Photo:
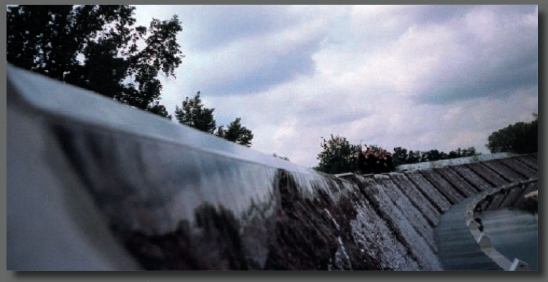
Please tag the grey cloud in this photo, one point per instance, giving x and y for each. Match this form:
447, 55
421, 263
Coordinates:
215, 26
438, 13
501, 82
272, 69
322, 114
496, 68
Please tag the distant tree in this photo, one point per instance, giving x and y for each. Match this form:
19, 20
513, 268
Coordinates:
236, 133
444, 156
194, 114
413, 157
453, 155
338, 156
158, 109
432, 155
468, 152
402, 157
519, 138
96, 47
399, 156
281, 157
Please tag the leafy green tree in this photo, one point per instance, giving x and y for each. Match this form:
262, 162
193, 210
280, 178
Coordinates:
194, 114
338, 156
413, 157
236, 133
400, 156
432, 155
97, 47
468, 152
519, 138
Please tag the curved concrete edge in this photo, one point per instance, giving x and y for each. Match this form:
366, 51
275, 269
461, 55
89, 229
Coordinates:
483, 240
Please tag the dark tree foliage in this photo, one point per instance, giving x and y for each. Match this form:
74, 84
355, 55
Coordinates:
194, 114
96, 47
236, 133
519, 138
401, 156
281, 157
375, 159
338, 156
413, 157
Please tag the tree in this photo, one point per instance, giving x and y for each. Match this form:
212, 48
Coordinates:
413, 157
194, 114
400, 156
519, 138
432, 155
97, 48
338, 156
281, 157
236, 133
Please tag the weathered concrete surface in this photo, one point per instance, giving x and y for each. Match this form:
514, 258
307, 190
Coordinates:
459, 183
471, 177
442, 185
128, 190
428, 191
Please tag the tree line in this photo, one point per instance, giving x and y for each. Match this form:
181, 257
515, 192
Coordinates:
100, 48
338, 155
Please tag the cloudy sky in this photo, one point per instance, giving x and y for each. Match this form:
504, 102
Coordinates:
419, 77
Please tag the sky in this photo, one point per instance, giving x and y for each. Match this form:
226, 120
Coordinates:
418, 77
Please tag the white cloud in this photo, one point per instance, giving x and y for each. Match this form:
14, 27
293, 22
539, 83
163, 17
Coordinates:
420, 77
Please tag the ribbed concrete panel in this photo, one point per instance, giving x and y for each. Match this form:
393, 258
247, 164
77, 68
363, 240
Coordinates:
413, 215
458, 182
374, 237
429, 191
519, 167
471, 177
414, 242
487, 174
504, 171
529, 160
443, 186
411, 191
